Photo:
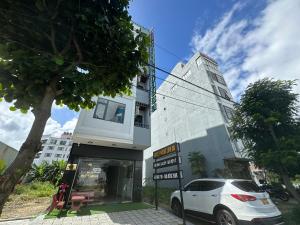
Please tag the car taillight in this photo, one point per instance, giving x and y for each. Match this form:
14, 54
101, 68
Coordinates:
244, 198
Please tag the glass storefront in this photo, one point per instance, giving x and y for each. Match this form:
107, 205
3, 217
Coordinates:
110, 179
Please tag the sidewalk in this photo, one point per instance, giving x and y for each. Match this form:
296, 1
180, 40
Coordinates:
134, 217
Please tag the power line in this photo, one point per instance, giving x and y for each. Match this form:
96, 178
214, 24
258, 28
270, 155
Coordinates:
184, 87
202, 106
192, 103
168, 51
164, 71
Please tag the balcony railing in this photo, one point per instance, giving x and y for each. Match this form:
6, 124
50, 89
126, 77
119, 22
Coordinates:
142, 125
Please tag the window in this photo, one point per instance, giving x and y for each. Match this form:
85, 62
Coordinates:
229, 112
44, 141
222, 111
53, 142
221, 79
63, 142
50, 147
199, 62
212, 76
224, 93
109, 111
58, 155
194, 186
210, 185
186, 75
48, 154
248, 186
140, 118
216, 77
215, 90
60, 148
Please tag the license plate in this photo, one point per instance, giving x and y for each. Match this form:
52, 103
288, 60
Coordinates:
264, 201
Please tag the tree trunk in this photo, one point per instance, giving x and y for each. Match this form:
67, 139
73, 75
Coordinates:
29, 148
289, 186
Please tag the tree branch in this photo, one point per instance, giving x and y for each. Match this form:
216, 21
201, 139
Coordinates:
79, 53
52, 40
68, 45
56, 9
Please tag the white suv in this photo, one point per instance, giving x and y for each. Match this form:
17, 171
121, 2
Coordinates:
228, 202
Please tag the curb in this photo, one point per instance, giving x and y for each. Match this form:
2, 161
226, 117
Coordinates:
19, 218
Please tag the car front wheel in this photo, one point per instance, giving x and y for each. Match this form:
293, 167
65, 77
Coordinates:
176, 207
224, 217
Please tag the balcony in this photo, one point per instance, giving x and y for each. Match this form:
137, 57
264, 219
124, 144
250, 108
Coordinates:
142, 125
141, 112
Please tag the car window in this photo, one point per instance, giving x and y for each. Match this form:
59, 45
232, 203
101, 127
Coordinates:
248, 186
194, 186
210, 185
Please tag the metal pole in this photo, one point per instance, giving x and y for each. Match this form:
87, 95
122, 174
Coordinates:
180, 185
156, 197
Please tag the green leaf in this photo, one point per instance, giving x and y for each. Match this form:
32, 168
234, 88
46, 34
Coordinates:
12, 108
24, 111
59, 60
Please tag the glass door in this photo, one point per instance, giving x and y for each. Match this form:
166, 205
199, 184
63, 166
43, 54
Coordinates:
111, 180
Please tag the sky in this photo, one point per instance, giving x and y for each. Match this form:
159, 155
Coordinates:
250, 40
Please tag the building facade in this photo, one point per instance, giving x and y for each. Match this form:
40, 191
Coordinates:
107, 154
54, 149
196, 119
7, 155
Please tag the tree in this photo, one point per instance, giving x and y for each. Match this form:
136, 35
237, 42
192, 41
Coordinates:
198, 164
52, 172
2, 166
67, 52
267, 120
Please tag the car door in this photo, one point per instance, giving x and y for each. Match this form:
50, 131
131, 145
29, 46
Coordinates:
209, 196
189, 194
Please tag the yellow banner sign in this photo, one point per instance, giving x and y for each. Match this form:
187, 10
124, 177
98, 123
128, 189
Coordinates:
165, 151
71, 167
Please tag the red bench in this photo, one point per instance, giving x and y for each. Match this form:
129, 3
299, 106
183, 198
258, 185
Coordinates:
81, 197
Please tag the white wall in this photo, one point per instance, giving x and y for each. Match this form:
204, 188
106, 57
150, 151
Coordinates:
199, 127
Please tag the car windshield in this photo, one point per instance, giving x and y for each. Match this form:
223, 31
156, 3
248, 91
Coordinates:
248, 186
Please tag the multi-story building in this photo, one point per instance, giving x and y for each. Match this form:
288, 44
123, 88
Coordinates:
197, 119
54, 148
107, 154
7, 155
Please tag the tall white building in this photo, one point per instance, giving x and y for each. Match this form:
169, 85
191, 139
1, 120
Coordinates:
54, 148
109, 141
195, 118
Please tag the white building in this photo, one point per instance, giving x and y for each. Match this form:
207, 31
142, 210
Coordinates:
195, 118
54, 148
109, 141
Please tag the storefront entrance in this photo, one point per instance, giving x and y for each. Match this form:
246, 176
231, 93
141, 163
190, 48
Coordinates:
111, 180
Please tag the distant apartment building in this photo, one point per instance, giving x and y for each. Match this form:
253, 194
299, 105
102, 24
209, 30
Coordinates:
196, 119
7, 154
107, 153
54, 148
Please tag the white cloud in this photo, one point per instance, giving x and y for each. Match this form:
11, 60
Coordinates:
55, 129
247, 50
15, 126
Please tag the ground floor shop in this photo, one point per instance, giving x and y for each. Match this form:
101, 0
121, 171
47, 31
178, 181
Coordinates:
108, 174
